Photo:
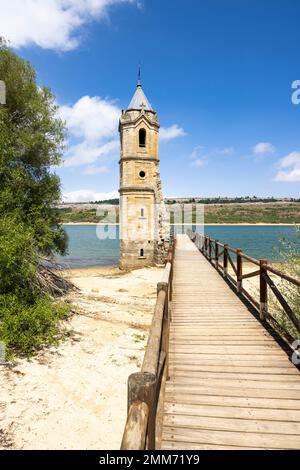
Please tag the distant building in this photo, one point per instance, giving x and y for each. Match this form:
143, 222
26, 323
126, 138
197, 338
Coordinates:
143, 228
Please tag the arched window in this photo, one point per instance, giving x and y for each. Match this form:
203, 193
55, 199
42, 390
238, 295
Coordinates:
142, 212
142, 138
141, 252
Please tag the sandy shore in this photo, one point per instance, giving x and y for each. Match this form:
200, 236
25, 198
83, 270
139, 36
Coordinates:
74, 396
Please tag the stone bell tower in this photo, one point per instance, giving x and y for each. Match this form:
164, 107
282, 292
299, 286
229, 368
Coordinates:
143, 239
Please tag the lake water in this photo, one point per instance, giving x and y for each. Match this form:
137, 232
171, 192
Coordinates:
87, 250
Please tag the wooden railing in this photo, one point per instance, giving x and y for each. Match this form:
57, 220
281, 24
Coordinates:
222, 256
144, 386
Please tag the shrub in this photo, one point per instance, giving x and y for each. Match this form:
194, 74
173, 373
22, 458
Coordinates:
290, 253
27, 326
18, 259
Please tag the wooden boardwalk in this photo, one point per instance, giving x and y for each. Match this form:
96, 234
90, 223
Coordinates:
231, 385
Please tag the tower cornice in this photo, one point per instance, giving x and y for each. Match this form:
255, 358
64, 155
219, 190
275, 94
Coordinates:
139, 158
136, 189
128, 118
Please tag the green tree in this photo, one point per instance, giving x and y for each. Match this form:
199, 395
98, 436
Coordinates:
31, 142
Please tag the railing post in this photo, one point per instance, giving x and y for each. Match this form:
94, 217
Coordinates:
202, 242
225, 260
209, 249
263, 289
217, 253
197, 243
141, 387
239, 268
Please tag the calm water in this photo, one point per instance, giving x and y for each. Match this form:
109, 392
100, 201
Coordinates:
87, 250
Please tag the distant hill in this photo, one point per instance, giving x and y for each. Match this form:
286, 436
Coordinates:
216, 211
186, 200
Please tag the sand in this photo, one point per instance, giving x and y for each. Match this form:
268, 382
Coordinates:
74, 396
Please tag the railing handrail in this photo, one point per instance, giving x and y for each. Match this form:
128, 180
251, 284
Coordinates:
144, 386
134, 436
151, 357
287, 277
212, 253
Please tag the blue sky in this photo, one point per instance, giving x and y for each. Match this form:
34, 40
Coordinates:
218, 72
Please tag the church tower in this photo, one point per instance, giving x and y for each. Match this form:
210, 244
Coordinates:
142, 241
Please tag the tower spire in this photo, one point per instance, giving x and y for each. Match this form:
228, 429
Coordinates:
139, 100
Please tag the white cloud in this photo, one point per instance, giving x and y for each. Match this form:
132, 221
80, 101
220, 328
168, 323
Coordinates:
89, 152
200, 156
226, 151
93, 123
199, 162
289, 168
197, 151
199, 159
264, 148
50, 24
95, 170
168, 133
92, 118
88, 195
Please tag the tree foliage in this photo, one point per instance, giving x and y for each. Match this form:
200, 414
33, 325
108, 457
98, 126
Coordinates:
31, 143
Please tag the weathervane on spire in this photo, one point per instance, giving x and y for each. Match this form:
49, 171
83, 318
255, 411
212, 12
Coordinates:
139, 75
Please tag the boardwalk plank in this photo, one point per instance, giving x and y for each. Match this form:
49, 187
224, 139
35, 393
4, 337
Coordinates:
231, 385
220, 437
232, 412
266, 426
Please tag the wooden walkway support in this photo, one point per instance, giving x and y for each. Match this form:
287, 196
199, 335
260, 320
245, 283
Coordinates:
231, 385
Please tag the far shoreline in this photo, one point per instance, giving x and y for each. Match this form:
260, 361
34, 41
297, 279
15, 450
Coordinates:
259, 224
114, 269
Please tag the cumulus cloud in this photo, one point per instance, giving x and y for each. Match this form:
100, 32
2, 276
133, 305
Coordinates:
172, 132
199, 162
201, 155
88, 195
51, 24
92, 118
264, 148
92, 123
196, 152
226, 151
289, 168
89, 152
198, 157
